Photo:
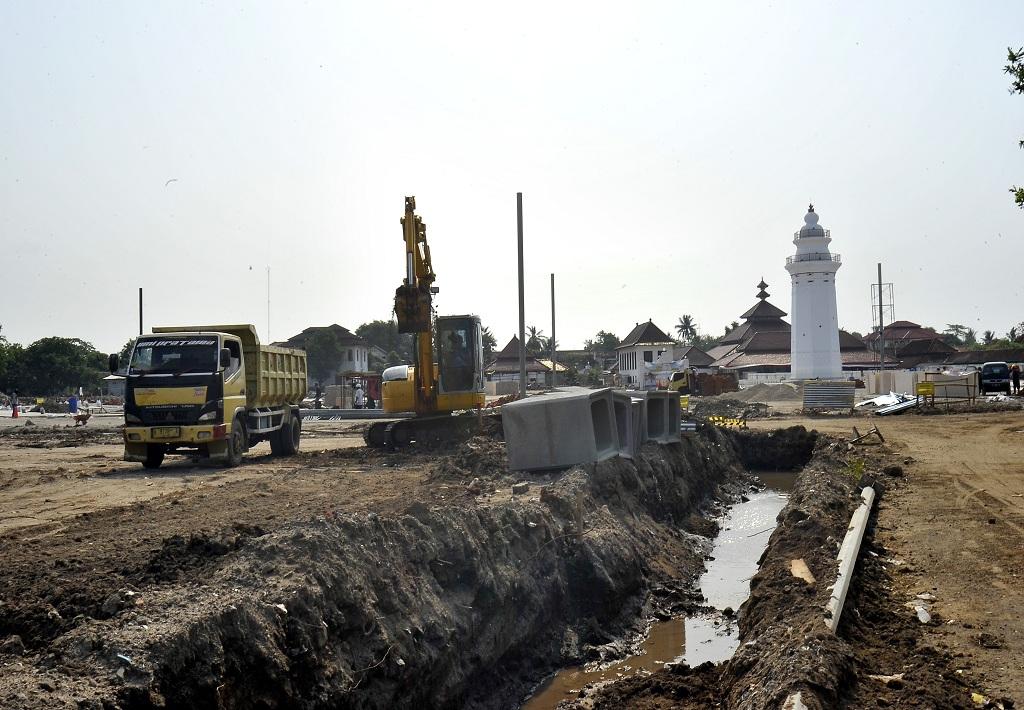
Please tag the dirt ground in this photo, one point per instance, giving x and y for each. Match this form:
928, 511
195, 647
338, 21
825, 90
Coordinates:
97, 551
51, 471
958, 524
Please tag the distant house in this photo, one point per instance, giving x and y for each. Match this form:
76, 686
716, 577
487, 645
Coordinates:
646, 343
906, 339
694, 355
113, 385
919, 354
355, 352
505, 367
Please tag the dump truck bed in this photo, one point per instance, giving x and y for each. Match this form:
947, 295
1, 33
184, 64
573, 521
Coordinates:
274, 376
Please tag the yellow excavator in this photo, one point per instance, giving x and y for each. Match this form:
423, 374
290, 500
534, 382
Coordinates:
433, 390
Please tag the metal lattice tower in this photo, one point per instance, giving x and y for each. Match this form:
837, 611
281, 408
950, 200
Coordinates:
883, 298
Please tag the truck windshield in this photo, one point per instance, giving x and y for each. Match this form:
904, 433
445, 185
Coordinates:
174, 356
996, 370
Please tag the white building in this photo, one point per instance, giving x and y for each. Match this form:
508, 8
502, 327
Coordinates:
814, 344
353, 351
645, 345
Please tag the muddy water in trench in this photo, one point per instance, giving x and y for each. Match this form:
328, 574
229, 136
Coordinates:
744, 534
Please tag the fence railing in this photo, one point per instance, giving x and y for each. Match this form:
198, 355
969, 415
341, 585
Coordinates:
814, 256
821, 232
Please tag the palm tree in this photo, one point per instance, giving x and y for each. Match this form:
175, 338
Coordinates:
732, 326
1011, 334
988, 336
687, 328
970, 336
534, 340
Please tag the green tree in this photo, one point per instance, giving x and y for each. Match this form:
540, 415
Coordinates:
58, 365
705, 342
1015, 68
125, 353
604, 342
489, 343
988, 337
959, 335
732, 326
11, 361
384, 334
687, 329
324, 353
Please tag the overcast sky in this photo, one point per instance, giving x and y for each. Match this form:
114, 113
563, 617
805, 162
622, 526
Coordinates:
666, 152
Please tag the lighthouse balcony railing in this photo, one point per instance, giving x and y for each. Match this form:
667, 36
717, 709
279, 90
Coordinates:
816, 232
815, 256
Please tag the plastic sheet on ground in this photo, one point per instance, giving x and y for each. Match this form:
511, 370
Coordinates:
885, 400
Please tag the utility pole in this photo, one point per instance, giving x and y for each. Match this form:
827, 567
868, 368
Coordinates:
268, 304
554, 345
522, 300
140, 310
881, 326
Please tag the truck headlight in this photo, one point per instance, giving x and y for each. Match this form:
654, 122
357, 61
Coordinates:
208, 416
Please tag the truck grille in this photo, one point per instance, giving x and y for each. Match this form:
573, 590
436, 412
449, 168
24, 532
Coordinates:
152, 416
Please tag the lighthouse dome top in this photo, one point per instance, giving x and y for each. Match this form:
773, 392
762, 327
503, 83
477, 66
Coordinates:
811, 227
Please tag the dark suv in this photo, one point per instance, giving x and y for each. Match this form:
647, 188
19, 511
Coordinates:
994, 377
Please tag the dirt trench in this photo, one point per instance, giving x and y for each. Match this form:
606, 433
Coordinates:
463, 604
877, 658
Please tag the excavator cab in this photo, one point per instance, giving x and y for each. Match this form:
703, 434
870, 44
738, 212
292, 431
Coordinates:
460, 354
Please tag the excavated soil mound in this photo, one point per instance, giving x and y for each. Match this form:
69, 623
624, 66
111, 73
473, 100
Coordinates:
722, 406
477, 457
982, 406
763, 392
54, 437
446, 601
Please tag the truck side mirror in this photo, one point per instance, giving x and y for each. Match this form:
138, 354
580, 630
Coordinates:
113, 362
225, 357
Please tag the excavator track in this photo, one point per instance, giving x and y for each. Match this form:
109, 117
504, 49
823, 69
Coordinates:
392, 435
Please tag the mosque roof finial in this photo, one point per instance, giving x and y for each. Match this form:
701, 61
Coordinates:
763, 294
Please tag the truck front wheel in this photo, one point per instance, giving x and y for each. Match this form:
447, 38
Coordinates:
154, 456
236, 444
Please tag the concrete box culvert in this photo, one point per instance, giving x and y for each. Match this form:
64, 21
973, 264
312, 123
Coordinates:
662, 415
629, 423
560, 429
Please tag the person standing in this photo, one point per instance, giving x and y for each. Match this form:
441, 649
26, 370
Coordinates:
360, 397
14, 404
1015, 377
73, 404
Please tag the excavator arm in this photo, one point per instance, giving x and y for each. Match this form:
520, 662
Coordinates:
413, 301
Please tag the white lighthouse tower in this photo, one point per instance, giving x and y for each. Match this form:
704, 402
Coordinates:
815, 333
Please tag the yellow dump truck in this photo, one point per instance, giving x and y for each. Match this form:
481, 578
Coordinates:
212, 392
